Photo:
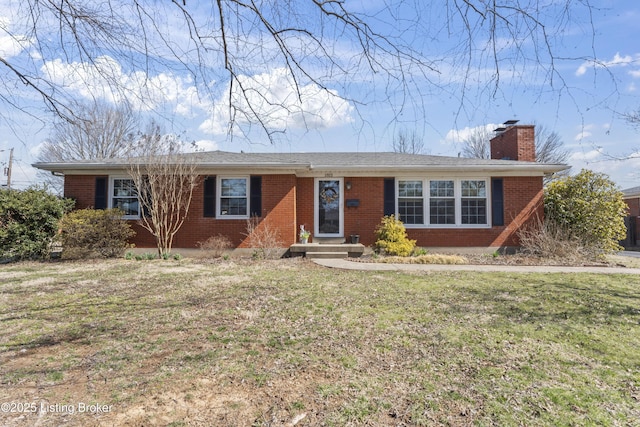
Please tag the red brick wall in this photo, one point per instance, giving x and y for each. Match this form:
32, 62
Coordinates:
522, 205
305, 204
516, 143
81, 188
361, 220
278, 211
278, 208
287, 203
364, 219
634, 206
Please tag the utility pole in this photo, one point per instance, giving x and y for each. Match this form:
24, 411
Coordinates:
7, 170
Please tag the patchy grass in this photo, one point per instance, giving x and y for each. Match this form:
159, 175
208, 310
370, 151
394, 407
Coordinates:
270, 343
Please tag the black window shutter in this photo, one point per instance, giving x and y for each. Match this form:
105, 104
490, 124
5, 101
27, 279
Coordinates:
210, 197
389, 196
497, 201
100, 201
149, 195
255, 202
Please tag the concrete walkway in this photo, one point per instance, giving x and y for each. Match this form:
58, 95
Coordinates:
371, 266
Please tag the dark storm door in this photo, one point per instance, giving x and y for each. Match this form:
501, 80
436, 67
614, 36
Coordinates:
329, 207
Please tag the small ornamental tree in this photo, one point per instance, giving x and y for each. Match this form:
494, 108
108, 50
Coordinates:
589, 206
391, 237
29, 222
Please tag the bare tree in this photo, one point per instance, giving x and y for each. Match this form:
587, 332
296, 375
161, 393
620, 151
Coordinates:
476, 145
329, 44
550, 147
102, 131
165, 179
407, 142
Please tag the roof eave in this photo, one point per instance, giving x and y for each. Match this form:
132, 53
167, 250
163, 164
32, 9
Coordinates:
511, 167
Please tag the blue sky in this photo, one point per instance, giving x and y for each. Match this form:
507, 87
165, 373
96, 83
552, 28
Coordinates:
595, 80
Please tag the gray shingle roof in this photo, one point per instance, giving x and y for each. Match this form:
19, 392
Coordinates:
320, 161
633, 191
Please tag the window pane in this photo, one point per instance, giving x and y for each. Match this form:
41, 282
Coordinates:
124, 188
474, 211
442, 211
127, 205
411, 211
232, 206
410, 189
474, 189
236, 187
125, 197
441, 189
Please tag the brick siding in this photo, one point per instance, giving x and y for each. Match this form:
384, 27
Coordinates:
81, 188
287, 203
515, 143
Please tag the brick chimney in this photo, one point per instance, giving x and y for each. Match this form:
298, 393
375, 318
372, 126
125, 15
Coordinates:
515, 143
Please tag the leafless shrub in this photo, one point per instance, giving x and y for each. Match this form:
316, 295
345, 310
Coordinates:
263, 238
215, 246
547, 239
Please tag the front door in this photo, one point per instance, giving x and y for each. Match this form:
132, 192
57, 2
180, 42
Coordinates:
329, 207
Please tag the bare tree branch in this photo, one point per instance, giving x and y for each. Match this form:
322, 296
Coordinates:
320, 42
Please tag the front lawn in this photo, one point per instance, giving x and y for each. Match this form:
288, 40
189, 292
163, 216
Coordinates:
238, 343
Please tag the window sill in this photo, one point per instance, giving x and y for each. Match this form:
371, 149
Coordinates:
448, 226
231, 217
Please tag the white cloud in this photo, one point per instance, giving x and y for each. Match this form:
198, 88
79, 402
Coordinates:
206, 145
274, 99
11, 44
617, 61
106, 79
586, 157
456, 136
585, 132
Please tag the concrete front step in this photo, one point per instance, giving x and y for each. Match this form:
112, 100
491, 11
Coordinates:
329, 240
327, 251
327, 255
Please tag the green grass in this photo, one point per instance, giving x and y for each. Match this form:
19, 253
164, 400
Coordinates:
261, 343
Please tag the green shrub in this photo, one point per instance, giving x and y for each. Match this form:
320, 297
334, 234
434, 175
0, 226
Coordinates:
147, 256
29, 222
590, 207
391, 237
88, 232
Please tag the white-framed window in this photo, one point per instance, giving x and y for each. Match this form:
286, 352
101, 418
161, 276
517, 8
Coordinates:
233, 197
442, 202
473, 202
411, 201
124, 196
446, 202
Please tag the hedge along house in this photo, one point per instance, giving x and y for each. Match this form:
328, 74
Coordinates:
443, 201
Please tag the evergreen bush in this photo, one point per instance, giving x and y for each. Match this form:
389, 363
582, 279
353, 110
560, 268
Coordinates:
29, 222
392, 239
89, 232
